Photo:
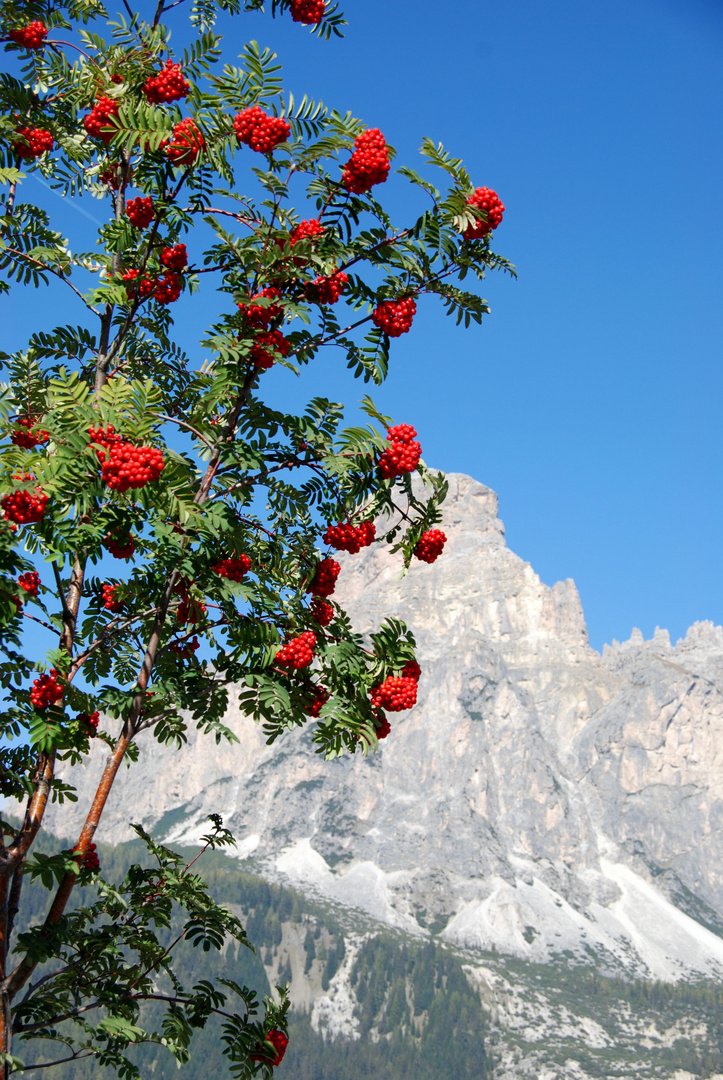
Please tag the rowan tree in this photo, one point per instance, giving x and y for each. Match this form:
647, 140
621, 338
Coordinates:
167, 531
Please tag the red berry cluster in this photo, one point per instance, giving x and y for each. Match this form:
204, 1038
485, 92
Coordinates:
259, 131
121, 547
279, 1041
395, 694
308, 12
189, 610
351, 538
321, 696
394, 317
403, 455
369, 163
140, 212
323, 582
327, 290
90, 859
167, 289
30, 582
31, 36
26, 437
90, 722
185, 649
299, 652
104, 436
234, 569
144, 287
109, 599
306, 230
260, 315
130, 466
37, 142
322, 612
186, 144
46, 690
267, 346
112, 175
175, 258
382, 727
430, 546
411, 670
168, 85
99, 118
24, 507
489, 202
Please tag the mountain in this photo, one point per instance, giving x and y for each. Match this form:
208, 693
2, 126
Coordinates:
542, 802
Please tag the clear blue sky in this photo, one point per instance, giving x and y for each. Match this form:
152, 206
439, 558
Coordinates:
590, 399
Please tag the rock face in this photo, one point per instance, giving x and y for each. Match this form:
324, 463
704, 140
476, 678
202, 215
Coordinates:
540, 798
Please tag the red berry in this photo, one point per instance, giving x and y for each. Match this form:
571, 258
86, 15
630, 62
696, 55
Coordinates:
109, 600
90, 860
175, 258
46, 690
30, 582
36, 143
369, 163
327, 290
190, 611
89, 721
130, 466
145, 286
403, 455
234, 569
489, 202
395, 694
24, 507
351, 538
267, 347
430, 546
121, 547
186, 144
322, 612
259, 131
308, 12
394, 317
411, 670
168, 288
279, 1041
97, 122
31, 36
260, 315
382, 727
112, 176
401, 433
185, 649
104, 436
25, 437
298, 652
321, 696
323, 582
306, 230
168, 85
140, 212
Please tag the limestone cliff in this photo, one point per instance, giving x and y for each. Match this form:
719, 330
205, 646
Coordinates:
539, 798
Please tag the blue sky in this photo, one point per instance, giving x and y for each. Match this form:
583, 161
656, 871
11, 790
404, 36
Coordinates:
590, 399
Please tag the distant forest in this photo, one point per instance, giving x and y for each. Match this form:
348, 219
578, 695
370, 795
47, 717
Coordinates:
418, 1017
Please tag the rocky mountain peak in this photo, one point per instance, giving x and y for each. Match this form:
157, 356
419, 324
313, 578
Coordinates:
539, 799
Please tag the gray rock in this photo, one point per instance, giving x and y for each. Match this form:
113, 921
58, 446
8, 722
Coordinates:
540, 797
